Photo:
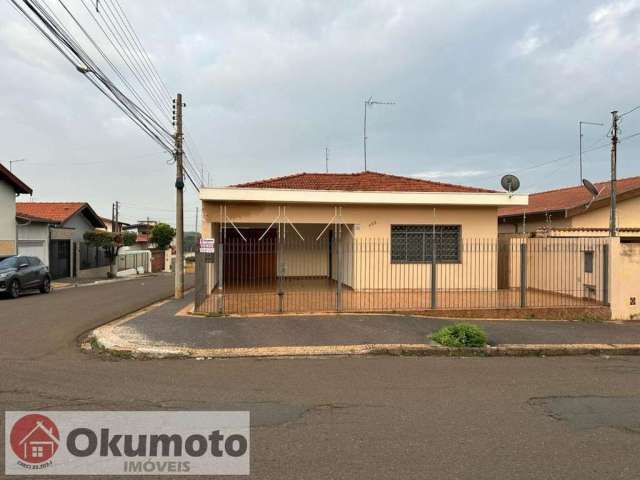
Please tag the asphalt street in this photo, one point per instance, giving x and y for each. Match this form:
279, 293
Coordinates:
362, 417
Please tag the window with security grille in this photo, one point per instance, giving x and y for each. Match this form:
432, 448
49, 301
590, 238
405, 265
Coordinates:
415, 243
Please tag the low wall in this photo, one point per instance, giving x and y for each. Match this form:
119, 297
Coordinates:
625, 280
99, 272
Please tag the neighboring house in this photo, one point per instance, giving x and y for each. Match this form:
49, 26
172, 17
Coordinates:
10, 187
53, 231
572, 210
143, 233
109, 224
362, 230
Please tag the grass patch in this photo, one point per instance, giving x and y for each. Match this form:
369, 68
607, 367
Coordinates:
460, 335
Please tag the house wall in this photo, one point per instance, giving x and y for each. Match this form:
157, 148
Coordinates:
34, 237
627, 212
80, 225
7, 219
370, 267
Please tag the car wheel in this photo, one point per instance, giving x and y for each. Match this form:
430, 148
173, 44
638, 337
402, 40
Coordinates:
46, 285
14, 289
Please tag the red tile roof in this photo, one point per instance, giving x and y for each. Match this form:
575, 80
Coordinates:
18, 185
56, 212
358, 182
568, 198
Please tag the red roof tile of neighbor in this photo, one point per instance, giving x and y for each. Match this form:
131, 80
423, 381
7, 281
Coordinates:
18, 185
568, 198
57, 212
358, 182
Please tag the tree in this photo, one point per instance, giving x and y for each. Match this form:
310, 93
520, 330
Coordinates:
162, 234
129, 238
110, 242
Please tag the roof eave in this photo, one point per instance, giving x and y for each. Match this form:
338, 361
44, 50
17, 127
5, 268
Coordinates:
281, 195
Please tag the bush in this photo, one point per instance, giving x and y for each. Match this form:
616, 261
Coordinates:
461, 335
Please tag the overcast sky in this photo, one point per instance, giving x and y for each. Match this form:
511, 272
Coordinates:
482, 88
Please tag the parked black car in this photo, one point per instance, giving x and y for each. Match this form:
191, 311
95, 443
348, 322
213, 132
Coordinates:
20, 273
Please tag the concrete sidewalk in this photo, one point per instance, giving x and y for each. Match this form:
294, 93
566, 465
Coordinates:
163, 327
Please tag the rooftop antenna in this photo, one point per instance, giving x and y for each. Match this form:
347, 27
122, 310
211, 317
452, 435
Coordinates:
326, 159
370, 103
580, 123
11, 162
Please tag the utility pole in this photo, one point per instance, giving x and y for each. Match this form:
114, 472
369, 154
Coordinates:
116, 226
369, 103
613, 229
113, 217
580, 123
179, 272
197, 229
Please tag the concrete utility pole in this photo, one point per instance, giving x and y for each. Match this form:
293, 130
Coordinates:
197, 228
369, 103
613, 228
116, 226
580, 123
179, 278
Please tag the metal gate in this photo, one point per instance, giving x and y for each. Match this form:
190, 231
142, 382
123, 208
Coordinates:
59, 258
414, 270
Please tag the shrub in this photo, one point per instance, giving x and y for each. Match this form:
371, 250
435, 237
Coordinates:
461, 335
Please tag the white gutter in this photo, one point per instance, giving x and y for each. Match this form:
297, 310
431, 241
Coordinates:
281, 195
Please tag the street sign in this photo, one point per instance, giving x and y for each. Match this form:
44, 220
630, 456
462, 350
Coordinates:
207, 245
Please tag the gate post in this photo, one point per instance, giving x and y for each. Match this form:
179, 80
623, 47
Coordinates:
280, 273
523, 275
605, 274
220, 295
200, 293
338, 234
434, 275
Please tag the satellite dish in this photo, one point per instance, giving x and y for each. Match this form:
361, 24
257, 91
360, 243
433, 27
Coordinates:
590, 187
510, 183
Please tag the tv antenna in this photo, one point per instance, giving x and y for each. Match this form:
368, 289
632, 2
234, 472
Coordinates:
580, 123
370, 102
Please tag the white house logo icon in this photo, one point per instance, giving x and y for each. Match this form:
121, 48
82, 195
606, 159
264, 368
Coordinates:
34, 438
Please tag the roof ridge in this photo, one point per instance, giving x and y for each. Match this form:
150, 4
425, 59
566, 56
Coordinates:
433, 182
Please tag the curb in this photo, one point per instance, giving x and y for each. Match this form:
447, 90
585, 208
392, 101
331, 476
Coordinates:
95, 343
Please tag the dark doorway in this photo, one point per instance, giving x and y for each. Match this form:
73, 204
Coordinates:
251, 261
59, 258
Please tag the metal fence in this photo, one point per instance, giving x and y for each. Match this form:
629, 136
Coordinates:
134, 259
414, 274
92, 256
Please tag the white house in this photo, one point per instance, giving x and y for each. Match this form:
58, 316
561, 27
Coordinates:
10, 187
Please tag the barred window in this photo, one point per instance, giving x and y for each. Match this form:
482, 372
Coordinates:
588, 261
414, 243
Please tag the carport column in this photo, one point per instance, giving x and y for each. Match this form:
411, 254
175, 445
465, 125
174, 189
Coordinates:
280, 266
338, 236
523, 275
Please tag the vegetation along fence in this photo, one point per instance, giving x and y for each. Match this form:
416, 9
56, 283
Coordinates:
92, 256
411, 271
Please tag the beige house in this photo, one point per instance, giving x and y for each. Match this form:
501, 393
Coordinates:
572, 211
10, 187
362, 231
